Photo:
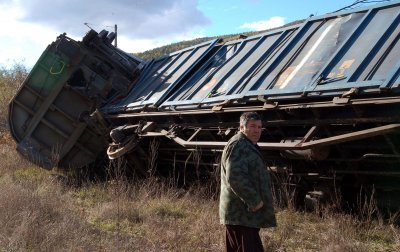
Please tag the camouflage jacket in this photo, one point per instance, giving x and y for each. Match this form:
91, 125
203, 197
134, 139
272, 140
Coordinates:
244, 183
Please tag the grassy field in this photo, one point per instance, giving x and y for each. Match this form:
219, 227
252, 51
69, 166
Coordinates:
42, 211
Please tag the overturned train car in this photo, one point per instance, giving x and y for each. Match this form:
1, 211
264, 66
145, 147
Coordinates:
327, 89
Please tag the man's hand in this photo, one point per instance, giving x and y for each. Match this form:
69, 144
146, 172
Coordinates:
258, 207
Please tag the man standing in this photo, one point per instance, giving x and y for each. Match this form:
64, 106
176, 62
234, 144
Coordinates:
246, 199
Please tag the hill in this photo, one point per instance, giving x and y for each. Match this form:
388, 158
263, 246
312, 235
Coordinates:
163, 50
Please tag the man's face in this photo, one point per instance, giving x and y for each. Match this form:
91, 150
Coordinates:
252, 130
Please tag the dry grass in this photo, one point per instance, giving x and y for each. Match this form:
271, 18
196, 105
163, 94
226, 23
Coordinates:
38, 213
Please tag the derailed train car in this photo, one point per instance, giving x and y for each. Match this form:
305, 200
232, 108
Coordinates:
327, 89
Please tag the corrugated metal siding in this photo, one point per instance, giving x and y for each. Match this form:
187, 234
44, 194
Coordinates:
324, 56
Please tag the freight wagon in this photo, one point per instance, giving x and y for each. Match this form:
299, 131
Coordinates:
327, 89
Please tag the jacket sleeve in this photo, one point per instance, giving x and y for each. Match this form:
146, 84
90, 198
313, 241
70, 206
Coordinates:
238, 177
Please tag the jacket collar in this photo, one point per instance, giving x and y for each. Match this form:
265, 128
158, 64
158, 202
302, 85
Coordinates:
255, 146
243, 136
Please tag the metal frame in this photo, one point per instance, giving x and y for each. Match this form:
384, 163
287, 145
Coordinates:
303, 145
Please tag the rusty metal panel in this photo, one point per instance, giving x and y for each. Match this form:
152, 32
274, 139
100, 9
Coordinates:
224, 74
337, 53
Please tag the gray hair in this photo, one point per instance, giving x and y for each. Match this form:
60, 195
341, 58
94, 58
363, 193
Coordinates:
247, 116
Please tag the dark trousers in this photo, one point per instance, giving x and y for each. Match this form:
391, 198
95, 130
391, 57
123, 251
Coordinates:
243, 239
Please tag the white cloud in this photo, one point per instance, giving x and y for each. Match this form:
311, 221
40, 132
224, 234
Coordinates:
272, 22
139, 19
21, 42
27, 27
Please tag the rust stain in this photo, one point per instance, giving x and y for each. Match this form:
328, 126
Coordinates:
209, 85
284, 75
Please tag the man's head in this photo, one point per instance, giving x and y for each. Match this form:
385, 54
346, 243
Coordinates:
251, 126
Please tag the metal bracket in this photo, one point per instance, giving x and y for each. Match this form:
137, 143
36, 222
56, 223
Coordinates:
220, 107
338, 100
270, 105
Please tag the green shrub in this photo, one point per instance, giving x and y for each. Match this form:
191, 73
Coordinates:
10, 81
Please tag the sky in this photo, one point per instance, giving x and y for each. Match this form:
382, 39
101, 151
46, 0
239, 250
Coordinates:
27, 27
